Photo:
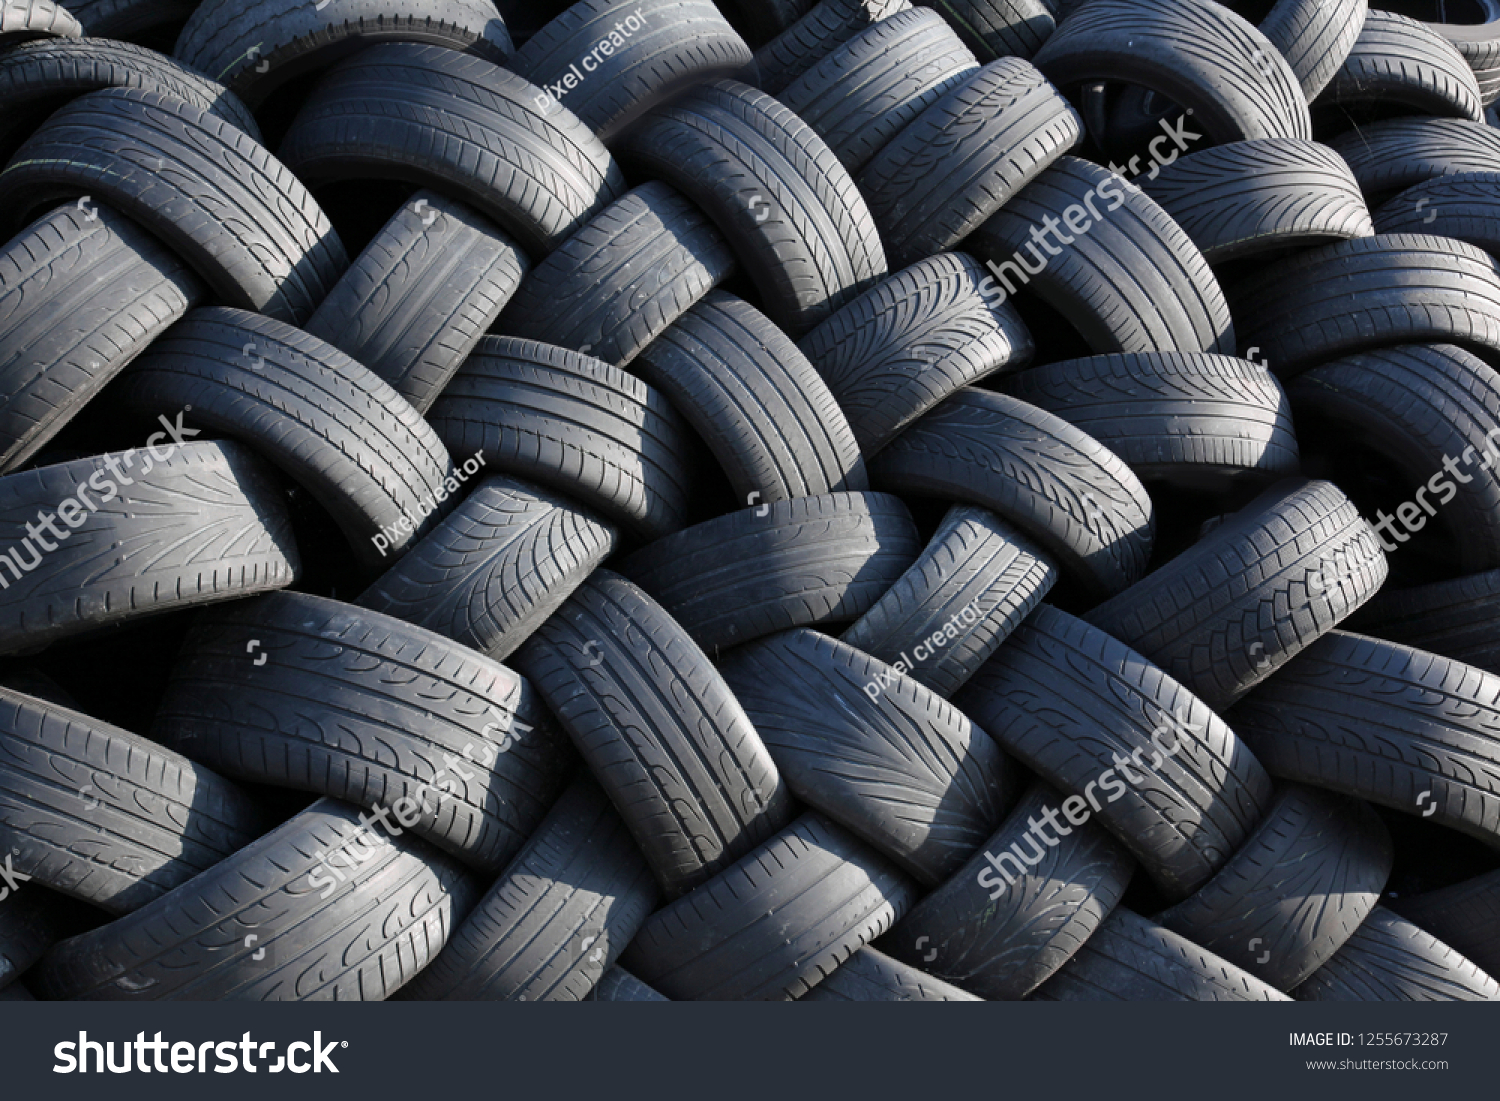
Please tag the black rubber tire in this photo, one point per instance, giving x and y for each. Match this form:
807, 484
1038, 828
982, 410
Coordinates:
415, 303
1417, 406
807, 562
1401, 65
207, 524
38, 77
797, 223
660, 730
129, 19
1315, 36
558, 917
765, 412
1465, 206
1132, 959
1373, 292
1295, 892
496, 568
1253, 197
1465, 916
777, 923
1072, 703
826, 26
256, 46
877, 753
871, 976
685, 43
32, 919
211, 192
1065, 490
1000, 28
1391, 960
965, 157
361, 707
343, 434
619, 985
964, 933
1390, 157
1380, 721
761, 20
1251, 594
22, 20
620, 281
975, 563
1192, 420
1478, 41
157, 820
83, 291
1135, 282
1459, 619
256, 927
1203, 57
862, 94
574, 425
913, 340
462, 126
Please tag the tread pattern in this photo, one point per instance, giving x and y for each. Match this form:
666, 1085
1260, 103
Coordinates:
1463, 915
1459, 619
1391, 960
1390, 156
825, 27
1465, 206
871, 976
1400, 61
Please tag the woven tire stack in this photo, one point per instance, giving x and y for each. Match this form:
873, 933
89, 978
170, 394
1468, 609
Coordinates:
756, 500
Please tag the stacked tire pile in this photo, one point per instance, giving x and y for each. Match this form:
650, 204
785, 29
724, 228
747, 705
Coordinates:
841, 500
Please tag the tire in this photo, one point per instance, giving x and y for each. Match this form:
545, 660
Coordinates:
796, 222
1295, 892
226, 206
1255, 197
1463, 915
862, 94
574, 425
1459, 619
1465, 206
557, 918
256, 47
1383, 722
23, 20
492, 572
1035, 471
463, 127
1067, 700
31, 921
1370, 293
1315, 36
619, 985
1478, 42
686, 42
976, 564
1401, 65
764, 411
362, 707
1000, 28
156, 821
1416, 406
1391, 960
965, 157
129, 19
1254, 592
761, 20
415, 303
1132, 959
623, 279
873, 751
1195, 421
204, 525
38, 77
826, 26
808, 562
1135, 282
1004, 952
913, 340
660, 730
1202, 57
1389, 157
84, 292
332, 426
256, 927
773, 926
871, 976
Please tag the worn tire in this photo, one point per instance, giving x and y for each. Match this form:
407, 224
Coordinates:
1400, 64
1391, 960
